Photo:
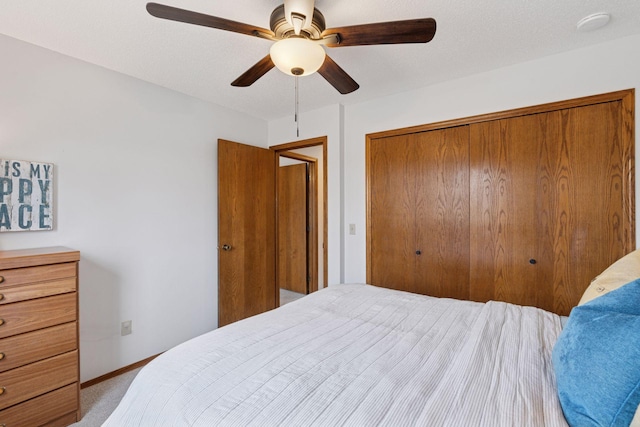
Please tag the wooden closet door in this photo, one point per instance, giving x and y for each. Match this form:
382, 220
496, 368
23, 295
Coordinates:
507, 252
419, 212
392, 182
441, 163
590, 231
547, 202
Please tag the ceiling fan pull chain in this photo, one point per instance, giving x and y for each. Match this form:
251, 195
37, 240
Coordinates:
297, 110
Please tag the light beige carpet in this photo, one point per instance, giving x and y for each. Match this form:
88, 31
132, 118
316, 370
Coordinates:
99, 401
288, 296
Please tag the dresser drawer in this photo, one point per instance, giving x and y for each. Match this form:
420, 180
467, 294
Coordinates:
27, 348
37, 290
35, 314
19, 276
26, 382
42, 409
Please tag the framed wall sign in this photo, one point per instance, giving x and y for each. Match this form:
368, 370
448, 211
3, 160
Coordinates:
26, 195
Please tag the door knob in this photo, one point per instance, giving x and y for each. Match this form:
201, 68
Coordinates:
226, 247
532, 261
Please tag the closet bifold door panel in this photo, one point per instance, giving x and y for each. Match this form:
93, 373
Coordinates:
548, 202
525, 206
419, 212
513, 174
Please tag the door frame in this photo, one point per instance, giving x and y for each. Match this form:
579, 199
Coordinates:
312, 217
312, 142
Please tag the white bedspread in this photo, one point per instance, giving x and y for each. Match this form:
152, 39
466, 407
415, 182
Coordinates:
358, 355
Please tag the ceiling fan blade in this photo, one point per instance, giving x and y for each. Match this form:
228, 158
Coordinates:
337, 77
181, 15
394, 32
250, 76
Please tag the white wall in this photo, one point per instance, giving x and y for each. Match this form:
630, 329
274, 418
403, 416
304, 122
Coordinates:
135, 192
322, 122
598, 69
136, 176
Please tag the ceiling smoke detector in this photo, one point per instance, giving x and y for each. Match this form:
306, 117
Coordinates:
593, 22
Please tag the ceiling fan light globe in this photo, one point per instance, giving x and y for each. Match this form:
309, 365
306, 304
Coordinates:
294, 54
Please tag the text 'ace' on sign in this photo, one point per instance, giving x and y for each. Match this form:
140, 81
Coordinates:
26, 195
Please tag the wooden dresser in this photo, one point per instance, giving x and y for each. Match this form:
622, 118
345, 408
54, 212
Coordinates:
39, 355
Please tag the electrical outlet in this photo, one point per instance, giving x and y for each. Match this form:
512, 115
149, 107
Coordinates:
125, 328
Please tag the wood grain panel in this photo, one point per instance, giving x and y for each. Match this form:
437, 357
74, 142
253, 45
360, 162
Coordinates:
26, 348
442, 212
503, 163
35, 314
590, 232
37, 290
40, 410
548, 188
246, 219
392, 211
292, 228
419, 212
38, 378
552, 200
37, 256
19, 276
65, 420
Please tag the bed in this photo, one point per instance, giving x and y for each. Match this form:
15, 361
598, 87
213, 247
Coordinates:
360, 355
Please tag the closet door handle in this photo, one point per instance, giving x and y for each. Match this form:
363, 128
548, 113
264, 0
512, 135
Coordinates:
226, 247
532, 261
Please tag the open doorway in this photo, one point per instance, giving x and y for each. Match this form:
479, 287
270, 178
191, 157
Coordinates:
297, 224
302, 218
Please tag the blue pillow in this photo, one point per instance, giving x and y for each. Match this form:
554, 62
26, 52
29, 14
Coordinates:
597, 360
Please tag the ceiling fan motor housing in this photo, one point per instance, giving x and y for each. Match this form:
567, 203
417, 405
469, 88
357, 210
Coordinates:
283, 29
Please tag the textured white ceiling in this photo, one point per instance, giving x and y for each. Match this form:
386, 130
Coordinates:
472, 36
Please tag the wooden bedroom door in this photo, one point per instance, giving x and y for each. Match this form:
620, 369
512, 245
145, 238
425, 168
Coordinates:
246, 231
293, 229
419, 212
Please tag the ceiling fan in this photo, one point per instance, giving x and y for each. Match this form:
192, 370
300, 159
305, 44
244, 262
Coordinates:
299, 30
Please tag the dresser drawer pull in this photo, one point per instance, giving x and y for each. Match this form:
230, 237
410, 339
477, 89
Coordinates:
1, 297
1, 322
1, 356
1, 279
2, 390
